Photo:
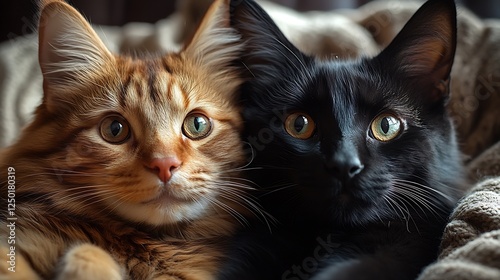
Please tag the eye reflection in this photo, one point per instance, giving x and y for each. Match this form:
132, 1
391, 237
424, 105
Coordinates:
385, 127
114, 129
300, 125
197, 126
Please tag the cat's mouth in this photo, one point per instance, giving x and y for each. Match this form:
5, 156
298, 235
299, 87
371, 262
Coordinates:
167, 197
347, 195
344, 198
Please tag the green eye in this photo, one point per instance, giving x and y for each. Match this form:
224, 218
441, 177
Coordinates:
114, 129
300, 125
196, 126
385, 127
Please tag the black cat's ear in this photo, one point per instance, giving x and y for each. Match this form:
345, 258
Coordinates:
425, 48
268, 53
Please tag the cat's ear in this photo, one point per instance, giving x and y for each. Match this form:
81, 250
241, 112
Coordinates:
268, 53
215, 46
425, 47
70, 52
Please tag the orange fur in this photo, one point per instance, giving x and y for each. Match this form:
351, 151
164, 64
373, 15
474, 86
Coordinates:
75, 188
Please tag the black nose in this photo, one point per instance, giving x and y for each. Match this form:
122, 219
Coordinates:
345, 163
345, 168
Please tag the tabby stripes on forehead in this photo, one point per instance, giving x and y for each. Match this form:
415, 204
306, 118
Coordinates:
124, 90
154, 78
151, 72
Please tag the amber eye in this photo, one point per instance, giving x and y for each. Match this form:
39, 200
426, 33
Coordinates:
114, 129
300, 125
386, 127
196, 126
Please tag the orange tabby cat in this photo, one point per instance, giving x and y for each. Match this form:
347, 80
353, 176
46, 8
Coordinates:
129, 169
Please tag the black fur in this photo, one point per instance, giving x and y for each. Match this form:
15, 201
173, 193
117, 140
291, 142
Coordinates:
379, 206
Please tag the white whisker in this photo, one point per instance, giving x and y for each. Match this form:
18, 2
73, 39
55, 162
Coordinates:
278, 188
238, 216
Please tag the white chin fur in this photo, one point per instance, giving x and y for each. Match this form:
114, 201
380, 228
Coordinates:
158, 215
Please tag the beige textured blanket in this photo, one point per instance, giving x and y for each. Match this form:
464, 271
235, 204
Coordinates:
471, 242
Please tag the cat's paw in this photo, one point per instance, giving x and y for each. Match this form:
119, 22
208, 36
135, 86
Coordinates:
88, 261
14, 267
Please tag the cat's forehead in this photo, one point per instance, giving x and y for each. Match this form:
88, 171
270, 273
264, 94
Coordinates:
146, 82
162, 84
343, 73
338, 82
349, 88
356, 81
321, 84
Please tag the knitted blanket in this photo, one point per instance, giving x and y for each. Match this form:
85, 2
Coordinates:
471, 242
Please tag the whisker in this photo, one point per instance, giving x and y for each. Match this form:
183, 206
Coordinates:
278, 188
233, 191
403, 209
421, 189
430, 189
234, 182
394, 204
238, 216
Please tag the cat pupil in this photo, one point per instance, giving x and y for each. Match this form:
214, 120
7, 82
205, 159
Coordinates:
300, 123
196, 126
199, 123
115, 128
385, 125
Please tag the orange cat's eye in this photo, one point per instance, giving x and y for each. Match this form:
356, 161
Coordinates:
114, 129
197, 126
300, 125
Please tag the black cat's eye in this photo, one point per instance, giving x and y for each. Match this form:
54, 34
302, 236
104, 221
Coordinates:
114, 129
386, 127
300, 125
196, 126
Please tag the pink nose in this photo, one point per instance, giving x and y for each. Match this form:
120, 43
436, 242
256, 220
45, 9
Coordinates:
165, 167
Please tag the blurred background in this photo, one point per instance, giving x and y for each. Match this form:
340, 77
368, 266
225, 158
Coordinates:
18, 17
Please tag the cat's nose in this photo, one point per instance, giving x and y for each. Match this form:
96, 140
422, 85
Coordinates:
345, 168
345, 163
352, 167
165, 167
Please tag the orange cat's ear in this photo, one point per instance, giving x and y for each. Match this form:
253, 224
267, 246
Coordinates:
70, 52
215, 45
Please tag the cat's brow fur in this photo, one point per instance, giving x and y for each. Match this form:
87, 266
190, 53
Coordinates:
72, 187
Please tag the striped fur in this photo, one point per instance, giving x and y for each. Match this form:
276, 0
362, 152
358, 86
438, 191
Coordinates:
85, 205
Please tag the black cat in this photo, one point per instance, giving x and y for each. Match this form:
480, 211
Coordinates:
356, 159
